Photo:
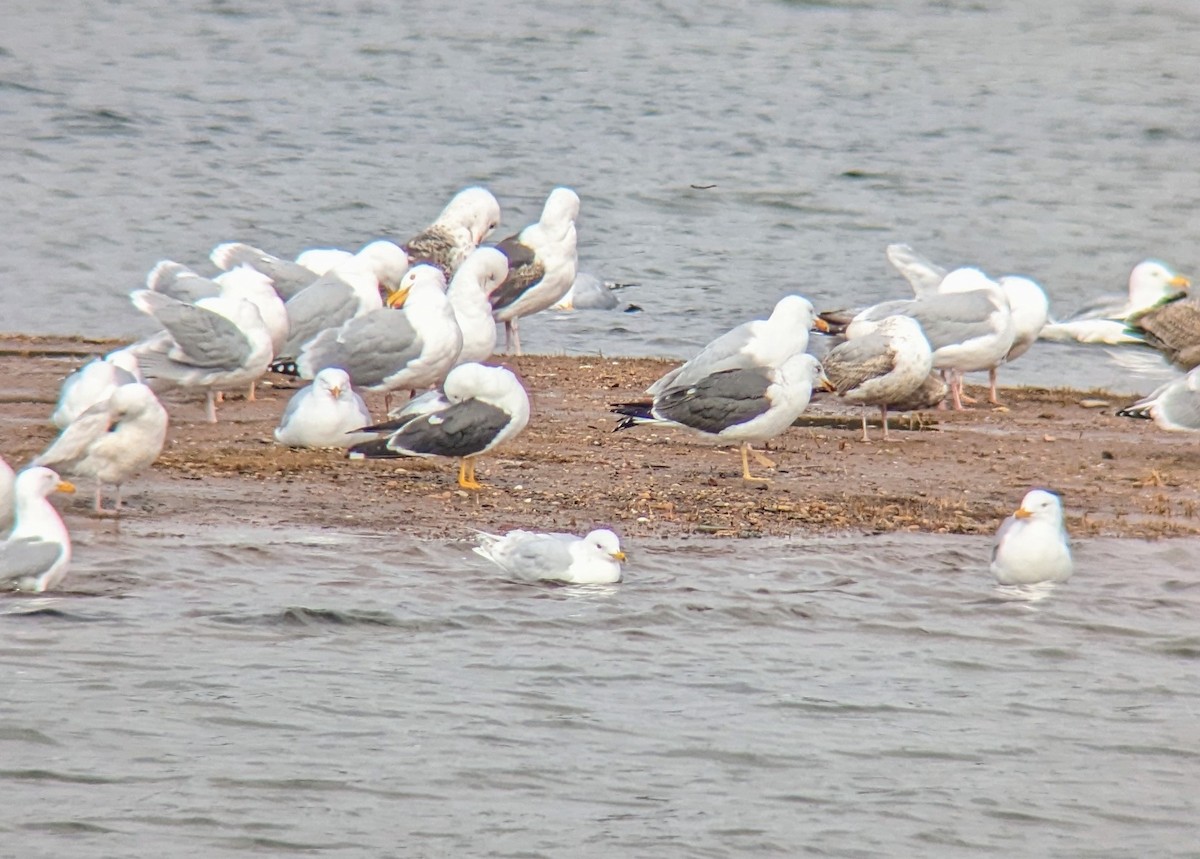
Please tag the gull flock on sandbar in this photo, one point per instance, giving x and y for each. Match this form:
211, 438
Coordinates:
417, 320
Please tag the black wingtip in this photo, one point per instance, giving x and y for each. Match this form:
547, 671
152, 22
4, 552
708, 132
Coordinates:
1133, 412
286, 367
374, 449
634, 413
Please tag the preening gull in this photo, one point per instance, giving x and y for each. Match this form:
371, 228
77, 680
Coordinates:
1175, 406
286, 276
36, 555
92, 383
736, 405
888, 365
112, 441
483, 271
411, 347
758, 343
1031, 546
466, 221
594, 559
1105, 321
324, 414
6, 494
1172, 328
542, 260
484, 407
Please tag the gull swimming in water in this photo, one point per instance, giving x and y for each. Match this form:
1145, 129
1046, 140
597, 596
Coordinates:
594, 559
1031, 545
1106, 321
1175, 406
481, 407
738, 406
112, 441
887, 365
324, 414
36, 555
542, 260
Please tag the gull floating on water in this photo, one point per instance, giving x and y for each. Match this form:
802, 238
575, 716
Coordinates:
589, 292
542, 260
36, 555
1106, 320
1174, 407
738, 405
112, 441
1031, 546
324, 414
594, 559
888, 365
481, 407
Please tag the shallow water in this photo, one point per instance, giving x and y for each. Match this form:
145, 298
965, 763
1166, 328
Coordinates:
248, 692
1054, 142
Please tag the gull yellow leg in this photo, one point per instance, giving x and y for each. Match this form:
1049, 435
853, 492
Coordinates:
466, 474
746, 475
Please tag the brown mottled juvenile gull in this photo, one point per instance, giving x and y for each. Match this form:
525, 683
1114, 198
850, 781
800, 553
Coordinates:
466, 221
1173, 329
887, 365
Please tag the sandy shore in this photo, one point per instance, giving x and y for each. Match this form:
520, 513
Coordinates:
961, 473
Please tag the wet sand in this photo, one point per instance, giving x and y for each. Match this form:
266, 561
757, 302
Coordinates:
960, 473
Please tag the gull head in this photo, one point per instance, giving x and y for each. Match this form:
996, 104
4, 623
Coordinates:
1041, 505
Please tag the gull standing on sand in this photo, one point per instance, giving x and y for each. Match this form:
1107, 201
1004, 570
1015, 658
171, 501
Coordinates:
410, 347
734, 406
1106, 321
324, 414
92, 383
542, 260
482, 272
214, 344
887, 365
594, 559
36, 555
466, 221
112, 441
1031, 545
1175, 406
483, 407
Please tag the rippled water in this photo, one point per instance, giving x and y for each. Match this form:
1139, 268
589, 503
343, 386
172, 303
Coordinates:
251, 692
246, 692
725, 152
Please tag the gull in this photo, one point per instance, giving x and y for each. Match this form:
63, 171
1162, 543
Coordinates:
393, 348
542, 260
888, 365
466, 221
759, 343
92, 383
1031, 545
734, 405
1105, 321
112, 441
324, 414
6, 494
1027, 301
594, 559
36, 555
589, 292
1172, 328
1174, 407
483, 408
215, 343
483, 271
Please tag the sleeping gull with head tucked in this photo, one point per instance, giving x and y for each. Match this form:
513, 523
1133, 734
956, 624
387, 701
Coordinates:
594, 559
112, 441
1031, 545
480, 407
36, 555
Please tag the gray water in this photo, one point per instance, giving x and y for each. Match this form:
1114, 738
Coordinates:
253, 693
726, 153
289, 693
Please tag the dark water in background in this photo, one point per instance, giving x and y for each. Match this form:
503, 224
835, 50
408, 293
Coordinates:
311, 694
1056, 140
